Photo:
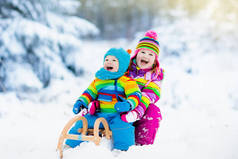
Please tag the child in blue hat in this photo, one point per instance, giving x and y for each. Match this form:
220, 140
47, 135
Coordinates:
116, 94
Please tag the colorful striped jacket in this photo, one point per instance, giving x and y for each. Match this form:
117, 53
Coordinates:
106, 92
149, 84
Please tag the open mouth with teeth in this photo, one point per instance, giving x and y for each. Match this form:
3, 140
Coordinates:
144, 62
109, 68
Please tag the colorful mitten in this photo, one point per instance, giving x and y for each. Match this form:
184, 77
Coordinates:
130, 117
93, 107
123, 106
78, 106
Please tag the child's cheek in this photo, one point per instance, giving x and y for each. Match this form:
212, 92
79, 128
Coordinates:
116, 67
137, 59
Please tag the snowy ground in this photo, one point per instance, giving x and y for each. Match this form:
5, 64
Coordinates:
200, 112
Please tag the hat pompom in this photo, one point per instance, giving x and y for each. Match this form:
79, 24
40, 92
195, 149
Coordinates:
151, 34
129, 51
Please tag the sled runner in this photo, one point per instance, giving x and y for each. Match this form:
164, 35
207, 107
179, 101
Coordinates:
94, 135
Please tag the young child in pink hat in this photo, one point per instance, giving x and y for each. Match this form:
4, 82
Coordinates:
145, 69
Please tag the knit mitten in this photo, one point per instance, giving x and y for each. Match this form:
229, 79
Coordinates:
130, 117
122, 106
78, 106
93, 107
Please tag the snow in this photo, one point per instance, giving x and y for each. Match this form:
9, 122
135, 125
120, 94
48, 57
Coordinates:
16, 72
50, 50
79, 28
70, 6
199, 103
204, 125
44, 37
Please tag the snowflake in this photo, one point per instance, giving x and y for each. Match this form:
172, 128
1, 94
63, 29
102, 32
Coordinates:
145, 130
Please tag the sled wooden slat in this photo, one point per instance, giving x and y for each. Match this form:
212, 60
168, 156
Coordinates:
108, 133
101, 131
66, 129
86, 134
83, 137
90, 131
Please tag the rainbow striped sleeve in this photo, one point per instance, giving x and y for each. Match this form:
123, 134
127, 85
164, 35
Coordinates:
89, 94
151, 93
132, 92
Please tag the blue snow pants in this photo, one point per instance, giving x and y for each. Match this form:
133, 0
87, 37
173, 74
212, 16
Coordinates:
123, 134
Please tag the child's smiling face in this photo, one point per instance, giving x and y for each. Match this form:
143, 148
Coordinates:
145, 59
111, 63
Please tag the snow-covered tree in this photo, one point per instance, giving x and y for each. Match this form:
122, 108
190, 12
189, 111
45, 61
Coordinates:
39, 41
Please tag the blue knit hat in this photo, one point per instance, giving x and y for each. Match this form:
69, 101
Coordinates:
122, 56
123, 59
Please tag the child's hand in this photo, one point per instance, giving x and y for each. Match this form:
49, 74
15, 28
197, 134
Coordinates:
123, 106
78, 106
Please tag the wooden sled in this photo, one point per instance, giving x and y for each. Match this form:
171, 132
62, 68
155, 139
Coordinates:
94, 135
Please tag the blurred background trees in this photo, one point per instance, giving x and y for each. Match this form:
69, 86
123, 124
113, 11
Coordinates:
119, 19
37, 39
123, 18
